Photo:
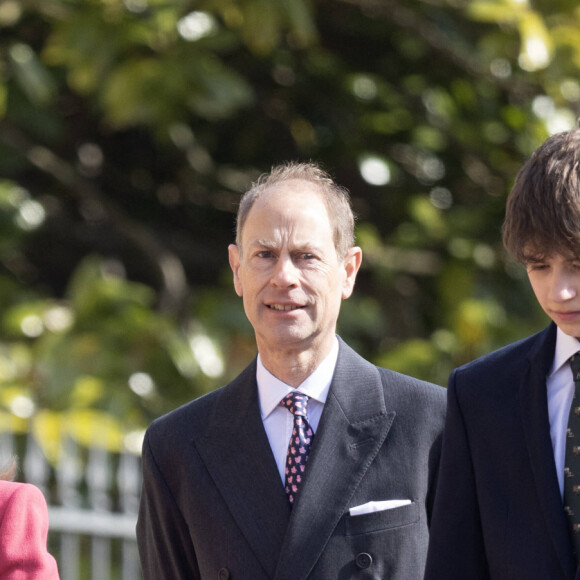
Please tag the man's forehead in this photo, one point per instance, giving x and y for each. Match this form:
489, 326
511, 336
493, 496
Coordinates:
293, 212
290, 186
283, 199
288, 192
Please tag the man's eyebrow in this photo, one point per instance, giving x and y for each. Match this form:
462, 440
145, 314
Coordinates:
262, 243
307, 246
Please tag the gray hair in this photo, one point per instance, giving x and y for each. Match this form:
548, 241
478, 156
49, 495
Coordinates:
335, 197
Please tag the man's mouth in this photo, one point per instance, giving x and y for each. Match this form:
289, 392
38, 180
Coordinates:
284, 307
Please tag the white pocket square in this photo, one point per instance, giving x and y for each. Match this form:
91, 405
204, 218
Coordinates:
377, 506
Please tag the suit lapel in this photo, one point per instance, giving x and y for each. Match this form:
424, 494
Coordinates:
536, 423
238, 456
352, 429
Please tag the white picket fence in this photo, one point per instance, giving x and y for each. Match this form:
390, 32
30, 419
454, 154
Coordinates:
93, 499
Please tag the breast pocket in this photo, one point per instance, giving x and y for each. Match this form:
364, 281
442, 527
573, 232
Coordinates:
383, 520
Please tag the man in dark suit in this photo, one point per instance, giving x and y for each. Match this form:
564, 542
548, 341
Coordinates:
507, 504
244, 483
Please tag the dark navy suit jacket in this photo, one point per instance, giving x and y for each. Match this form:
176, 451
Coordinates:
213, 504
498, 513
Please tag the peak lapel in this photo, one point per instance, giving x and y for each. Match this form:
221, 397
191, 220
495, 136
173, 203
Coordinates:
352, 429
534, 404
238, 456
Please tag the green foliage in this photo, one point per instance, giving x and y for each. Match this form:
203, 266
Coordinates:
100, 363
129, 128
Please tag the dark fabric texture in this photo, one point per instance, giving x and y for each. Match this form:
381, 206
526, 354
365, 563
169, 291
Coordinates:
572, 461
498, 513
213, 504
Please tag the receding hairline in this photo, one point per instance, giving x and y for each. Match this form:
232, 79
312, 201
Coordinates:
280, 188
336, 199
302, 185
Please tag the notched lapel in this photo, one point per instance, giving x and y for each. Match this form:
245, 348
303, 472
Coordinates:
352, 430
238, 456
536, 423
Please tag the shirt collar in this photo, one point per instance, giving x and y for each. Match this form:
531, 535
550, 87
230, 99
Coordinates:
566, 346
272, 390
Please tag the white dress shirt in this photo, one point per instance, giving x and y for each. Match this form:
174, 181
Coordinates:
560, 385
278, 421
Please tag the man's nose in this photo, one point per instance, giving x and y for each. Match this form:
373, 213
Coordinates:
285, 272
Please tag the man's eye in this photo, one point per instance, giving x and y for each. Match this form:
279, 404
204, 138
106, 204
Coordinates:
307, 256
264, 254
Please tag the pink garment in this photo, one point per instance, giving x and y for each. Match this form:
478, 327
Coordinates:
23, 533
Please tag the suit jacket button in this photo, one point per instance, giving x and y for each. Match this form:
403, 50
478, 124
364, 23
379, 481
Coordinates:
363, 560
223, 574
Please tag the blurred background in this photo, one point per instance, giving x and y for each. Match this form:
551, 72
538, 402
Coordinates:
130, 128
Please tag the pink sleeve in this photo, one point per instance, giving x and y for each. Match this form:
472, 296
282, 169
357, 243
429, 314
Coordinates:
23, 533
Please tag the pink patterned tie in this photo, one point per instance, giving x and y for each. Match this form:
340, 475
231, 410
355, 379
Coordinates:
300, 442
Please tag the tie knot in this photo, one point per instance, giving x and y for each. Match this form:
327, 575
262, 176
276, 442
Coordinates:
575, 364
296, 403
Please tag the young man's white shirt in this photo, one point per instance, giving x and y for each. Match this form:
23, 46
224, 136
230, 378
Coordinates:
560, 384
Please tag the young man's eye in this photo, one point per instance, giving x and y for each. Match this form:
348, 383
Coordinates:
536, 266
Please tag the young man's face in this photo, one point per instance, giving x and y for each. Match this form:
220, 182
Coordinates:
556, 284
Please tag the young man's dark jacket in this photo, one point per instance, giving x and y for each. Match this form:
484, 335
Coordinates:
498, 513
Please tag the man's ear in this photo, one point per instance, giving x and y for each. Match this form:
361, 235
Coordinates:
352, 263
234, 255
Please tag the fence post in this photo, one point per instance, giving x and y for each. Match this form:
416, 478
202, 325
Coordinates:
129, 481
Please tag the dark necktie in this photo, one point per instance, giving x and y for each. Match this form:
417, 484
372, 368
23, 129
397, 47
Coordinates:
572, 460
300, 442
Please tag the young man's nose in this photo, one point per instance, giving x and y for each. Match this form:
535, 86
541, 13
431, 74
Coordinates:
563, 288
